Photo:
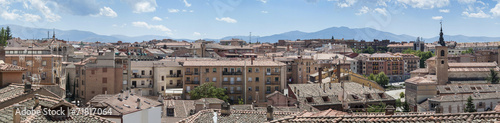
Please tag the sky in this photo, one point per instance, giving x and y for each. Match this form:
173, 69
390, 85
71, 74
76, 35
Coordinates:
199, 19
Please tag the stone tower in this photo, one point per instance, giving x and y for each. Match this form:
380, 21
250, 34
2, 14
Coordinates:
441, 60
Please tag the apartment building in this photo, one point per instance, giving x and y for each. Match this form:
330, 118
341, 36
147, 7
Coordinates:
150, 78
104, 74
250, 80
391, 65
38, 61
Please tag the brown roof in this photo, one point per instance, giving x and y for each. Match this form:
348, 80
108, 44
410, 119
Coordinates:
233, 63
401, 45
125, 103
473, 65
422, 80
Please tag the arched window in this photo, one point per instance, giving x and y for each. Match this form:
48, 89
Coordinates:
442, 62
442, 52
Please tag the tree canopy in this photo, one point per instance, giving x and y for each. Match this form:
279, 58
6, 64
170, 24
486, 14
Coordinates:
493, 78
4, 36
380, 78
423, 55
468, 51
208, 90
469, 106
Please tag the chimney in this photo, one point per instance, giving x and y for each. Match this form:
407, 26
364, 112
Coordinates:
320, 75
138, 103
324, 87
269, 113
251, 59
389, 110
16, 116
338, 72
225, 109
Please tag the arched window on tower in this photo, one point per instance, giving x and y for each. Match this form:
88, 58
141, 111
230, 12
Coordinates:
442, 62
442, 52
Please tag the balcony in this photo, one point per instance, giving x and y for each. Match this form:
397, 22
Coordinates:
232, 73
173, 75
231, 83
272, 83
235, 92
188, 73
192, 82
140, 76
275, 73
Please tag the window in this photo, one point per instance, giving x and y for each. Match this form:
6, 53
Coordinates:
249, 88
268, 88
150, 72
44, 63
214, 70
238, 69
214, 79
225, 69
249, 79
14, 62
276, 88
171, 82
442, 62
225, 79
256, 70
104, 80
142, 82
188, 78
268, 79
171, 72
276, 70
442, 52
162, 88
256, 88
104, 90
268, 70
104, 70
257, 79
207, 79
162, 78
144, 72
249, 70
238, 79
206, 70
276, 79
188, 69
232, 69
28, 63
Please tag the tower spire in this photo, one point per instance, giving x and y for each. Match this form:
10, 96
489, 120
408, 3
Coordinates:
54, 33
441, 39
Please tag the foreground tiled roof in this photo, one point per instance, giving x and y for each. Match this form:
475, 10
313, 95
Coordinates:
398, 117
236, 116
125, 103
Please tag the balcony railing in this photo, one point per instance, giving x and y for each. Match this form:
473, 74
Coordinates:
235, 92
268, 92
232, 73
272, 83
231, 83
188, 73
140, 76
174, 75
275, 73
192, 82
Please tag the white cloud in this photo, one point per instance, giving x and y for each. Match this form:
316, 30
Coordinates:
437, 17
346, 3
140, 6
31, 18
46, 11
466, 1
156, 27
10, 15
425, 4
106, 11
187, 4
382, 3
444, 10
196, 34
226, 19
382, 11
265, 12
166, 17
191, 10
173, 10
157, 19
363, 10
496, 11
479, 14
263, 1
184, 10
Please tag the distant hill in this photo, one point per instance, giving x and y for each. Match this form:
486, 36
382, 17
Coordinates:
367, 34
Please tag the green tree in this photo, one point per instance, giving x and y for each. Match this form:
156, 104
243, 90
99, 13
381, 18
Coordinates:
240, 101
208, 90
402, 95
406, 107
372, 77
493, 78
382, 79
422, 55
469, 106
369, 50
399, 103
468, 51
8, 33
3, 37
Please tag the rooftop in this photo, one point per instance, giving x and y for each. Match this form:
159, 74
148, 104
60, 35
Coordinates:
233, 63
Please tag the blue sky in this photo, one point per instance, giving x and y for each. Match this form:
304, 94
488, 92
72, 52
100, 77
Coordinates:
196, 19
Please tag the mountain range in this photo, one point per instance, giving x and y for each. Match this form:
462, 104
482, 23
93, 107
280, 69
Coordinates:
367, 34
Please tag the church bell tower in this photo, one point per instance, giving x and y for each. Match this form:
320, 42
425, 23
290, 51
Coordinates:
441, 60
